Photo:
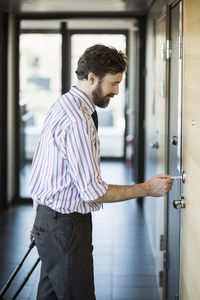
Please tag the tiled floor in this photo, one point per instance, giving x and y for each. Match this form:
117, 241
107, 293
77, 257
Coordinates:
123, 263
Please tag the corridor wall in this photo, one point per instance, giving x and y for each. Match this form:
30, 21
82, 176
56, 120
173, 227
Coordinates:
190, 227
156, 131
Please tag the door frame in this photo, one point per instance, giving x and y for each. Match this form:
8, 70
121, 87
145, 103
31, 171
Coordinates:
170, 6
139, 138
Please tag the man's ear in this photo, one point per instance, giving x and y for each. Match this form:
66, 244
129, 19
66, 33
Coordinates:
92, 79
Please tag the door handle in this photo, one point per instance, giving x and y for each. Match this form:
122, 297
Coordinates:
179, 203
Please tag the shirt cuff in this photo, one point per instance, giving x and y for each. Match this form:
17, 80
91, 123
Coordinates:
95, 190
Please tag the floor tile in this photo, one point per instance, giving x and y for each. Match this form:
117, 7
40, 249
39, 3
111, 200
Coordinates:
134, 281
134, 293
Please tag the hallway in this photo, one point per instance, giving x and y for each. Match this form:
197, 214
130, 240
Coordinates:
123, 263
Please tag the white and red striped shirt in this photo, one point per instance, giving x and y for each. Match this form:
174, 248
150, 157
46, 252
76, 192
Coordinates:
65, 171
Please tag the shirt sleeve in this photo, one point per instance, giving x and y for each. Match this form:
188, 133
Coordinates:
83, 158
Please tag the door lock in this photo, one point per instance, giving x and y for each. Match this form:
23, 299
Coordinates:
179, 203
174, 140
182, 177
154, 145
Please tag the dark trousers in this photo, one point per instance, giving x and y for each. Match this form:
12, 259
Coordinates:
64, 244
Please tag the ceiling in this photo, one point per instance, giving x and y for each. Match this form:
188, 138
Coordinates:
138, 7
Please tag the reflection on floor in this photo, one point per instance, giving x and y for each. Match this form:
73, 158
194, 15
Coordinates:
124, 266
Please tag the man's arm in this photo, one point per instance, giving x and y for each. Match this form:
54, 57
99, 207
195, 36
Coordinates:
157, 186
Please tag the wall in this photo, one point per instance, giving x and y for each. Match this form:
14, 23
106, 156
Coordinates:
190, 241
3, 105
155, 210
11, 113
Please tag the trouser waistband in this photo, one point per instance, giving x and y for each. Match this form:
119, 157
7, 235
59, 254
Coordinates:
56, 214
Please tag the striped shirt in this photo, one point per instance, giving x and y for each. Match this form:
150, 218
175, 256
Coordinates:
65, 173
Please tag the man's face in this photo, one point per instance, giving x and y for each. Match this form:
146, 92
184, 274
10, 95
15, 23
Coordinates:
106, 88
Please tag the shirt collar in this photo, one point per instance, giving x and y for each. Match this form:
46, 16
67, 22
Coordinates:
85, 101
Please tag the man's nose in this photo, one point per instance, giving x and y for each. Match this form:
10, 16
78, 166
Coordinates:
116, 90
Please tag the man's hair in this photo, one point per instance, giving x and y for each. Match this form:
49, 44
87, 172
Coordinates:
101, 60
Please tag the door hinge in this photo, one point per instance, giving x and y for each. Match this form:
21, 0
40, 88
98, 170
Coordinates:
162, 242
180, 42
176, 297
161, 278
168, 49
165, 260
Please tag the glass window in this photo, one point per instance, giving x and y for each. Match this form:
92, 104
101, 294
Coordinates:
111, 119
40, 86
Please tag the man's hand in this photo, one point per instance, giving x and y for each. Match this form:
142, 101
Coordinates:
159, 185
31, 234
35, 205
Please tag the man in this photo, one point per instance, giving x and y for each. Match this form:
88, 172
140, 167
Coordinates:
66, 183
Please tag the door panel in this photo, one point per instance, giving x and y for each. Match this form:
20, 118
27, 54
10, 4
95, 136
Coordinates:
161, 126
174, 146
156, 122
160, 103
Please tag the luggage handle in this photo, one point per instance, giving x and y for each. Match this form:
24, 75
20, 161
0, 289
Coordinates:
16, 270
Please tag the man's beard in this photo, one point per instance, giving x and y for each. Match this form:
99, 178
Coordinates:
98, 99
